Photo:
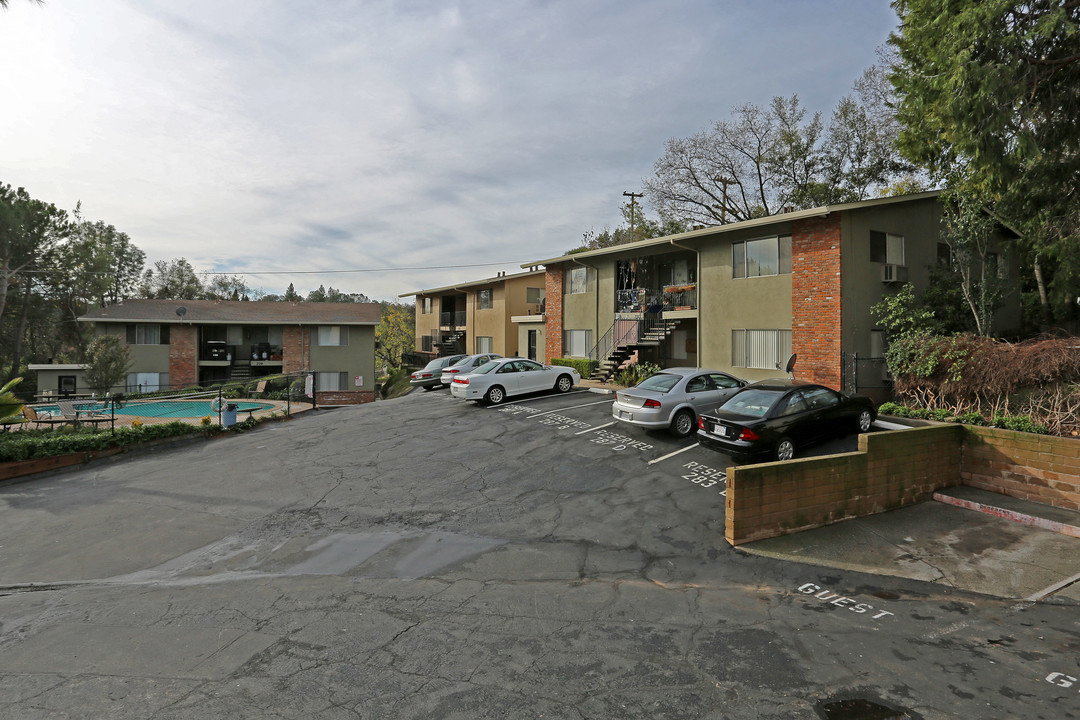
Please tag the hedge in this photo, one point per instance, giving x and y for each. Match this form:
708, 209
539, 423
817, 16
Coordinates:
584, 366
31, 444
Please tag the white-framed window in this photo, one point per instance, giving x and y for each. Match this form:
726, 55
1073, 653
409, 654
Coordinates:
761, 257
577, 343
331, 381
484, 299
425, 306
333, 335
886, 248
484, 344
147, 334
534, 296
147, 382
577, 280
761, 349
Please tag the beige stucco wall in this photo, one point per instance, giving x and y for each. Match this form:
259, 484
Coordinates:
356, 358
426, 323
523, 339
580, 310
144, 358
726, 303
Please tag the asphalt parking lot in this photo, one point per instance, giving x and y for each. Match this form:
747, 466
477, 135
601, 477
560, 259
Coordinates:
430, 558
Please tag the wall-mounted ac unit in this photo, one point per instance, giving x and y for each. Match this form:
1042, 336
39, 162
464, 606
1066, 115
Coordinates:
893, 273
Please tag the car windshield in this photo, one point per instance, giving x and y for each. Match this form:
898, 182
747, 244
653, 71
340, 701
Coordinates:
752, 402
485, 368
660, 382
435, 364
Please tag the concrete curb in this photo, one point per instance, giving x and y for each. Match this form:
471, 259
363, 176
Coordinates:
1014, 515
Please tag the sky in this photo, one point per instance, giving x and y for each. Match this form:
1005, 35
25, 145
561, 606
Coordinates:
419, 142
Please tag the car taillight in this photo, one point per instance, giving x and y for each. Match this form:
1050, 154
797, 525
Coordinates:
462, 380
426, 375
651, 403
451, 371
748, 435
701, 422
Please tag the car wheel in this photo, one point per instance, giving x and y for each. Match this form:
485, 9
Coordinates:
682, 424
429, 388
495, 395
565, 383
785, 449
866, 419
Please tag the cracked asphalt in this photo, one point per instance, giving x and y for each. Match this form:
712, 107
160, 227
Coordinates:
428, 558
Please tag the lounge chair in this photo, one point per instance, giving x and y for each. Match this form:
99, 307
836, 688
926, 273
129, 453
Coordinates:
32, 416
77, 415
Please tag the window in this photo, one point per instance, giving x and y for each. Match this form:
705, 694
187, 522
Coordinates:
996, 266
577, 343
483, 299
331, 381
147, 334
757, 258
332, 335
763, 349
425, 343
578, 280
887, 248
484, 344
944, 255
534, 296
147, 382
66, 384
425, 306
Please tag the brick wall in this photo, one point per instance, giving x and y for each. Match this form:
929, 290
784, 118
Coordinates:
1039, 468
344, 397
890, 470
294, 348
816, 299
183, 355
553, 297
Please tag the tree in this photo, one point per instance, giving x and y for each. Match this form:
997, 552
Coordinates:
394, 335
28, 230
766, 160
291, 295
9, 404
173, 280
227, 287
637, 227
969, 231
4, 3
989, 97
108, 363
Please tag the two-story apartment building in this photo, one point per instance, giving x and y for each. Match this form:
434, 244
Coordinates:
743, 296
501, 314
178, 343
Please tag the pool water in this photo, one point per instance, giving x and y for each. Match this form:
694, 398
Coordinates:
160, 408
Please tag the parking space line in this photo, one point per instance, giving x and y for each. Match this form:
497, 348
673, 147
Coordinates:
673, 454
594, 429
572, 407
1052, 589
544, 397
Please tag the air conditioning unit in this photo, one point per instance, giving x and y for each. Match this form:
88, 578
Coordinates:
893, 273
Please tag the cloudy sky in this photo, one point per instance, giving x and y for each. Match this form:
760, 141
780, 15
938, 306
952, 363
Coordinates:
264, 135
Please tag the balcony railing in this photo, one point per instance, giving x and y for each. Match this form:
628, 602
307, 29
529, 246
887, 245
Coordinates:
452, 319
670, 297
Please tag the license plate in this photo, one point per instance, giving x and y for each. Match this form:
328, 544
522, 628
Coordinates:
625, 415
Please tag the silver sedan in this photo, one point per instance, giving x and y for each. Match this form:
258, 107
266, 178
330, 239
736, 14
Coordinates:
674, 399
465, 365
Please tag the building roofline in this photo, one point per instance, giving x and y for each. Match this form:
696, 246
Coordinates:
822, 211
476, 283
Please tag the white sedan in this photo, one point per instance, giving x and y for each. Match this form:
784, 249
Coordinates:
493, 382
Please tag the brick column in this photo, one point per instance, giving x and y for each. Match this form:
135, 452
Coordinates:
183, 355
553, 295
816, 300
295, 353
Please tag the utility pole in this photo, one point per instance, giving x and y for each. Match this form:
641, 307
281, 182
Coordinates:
724, 182
633, 205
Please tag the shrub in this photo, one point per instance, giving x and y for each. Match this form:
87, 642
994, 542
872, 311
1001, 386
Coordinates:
632, 375
584, 366
30, 444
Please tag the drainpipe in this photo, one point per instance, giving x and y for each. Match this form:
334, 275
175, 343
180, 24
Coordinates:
697, 325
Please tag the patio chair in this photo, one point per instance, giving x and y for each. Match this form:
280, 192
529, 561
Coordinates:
77, 415
260, 389
32, 416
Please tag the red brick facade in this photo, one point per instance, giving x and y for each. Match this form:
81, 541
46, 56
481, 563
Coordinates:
344, 397
553, 297
816, 300
295, 353
183, 355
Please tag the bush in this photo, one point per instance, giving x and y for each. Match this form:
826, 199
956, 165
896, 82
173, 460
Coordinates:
30, 444
632, 375
584, 366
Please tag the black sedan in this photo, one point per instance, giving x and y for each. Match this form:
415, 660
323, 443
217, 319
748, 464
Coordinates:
771, 418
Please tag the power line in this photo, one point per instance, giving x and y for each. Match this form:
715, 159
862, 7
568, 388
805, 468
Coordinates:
292, 272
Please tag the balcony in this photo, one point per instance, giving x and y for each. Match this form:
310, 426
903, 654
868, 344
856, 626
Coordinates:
669, 298
452, 319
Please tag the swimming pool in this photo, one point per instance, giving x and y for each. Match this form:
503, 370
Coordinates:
160, 408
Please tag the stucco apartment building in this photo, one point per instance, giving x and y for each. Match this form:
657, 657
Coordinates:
743, 296
502, 314
179, 343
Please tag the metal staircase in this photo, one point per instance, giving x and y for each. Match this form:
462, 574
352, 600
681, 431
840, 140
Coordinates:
448, 342
624, 338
